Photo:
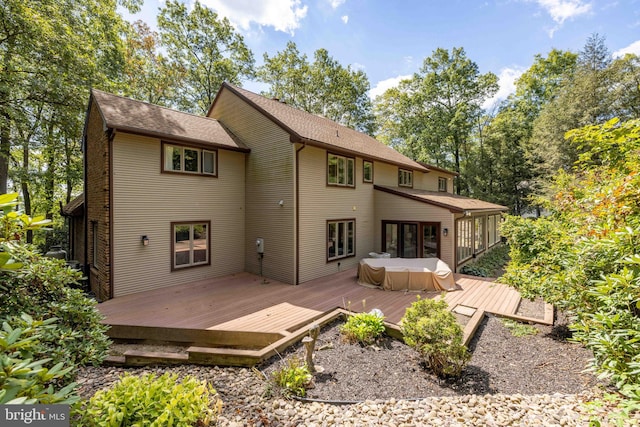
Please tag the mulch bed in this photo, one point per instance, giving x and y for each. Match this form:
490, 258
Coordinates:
544, 363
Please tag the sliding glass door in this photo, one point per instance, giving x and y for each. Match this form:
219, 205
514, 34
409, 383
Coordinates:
411, 239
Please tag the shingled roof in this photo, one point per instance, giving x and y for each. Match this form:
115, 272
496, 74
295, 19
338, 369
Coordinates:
315, 130
142, 118
453, 202
75, 207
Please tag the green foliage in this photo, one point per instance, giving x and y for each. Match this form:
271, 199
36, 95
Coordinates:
364, 328
584, 257
24, 379
293, 377
519, 329
430, 116
44, 287
204, 51
321, 87
152, 401
473, 269
431, 329
490, 264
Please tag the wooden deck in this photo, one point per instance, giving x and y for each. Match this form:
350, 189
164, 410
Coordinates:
244, 308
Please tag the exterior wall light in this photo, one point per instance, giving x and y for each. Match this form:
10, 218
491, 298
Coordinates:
144, 240
281, 203
445, 232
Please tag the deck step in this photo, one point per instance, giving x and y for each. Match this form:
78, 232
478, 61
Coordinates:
142, 358
471, 327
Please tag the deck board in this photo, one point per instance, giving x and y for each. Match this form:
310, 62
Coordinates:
243, 302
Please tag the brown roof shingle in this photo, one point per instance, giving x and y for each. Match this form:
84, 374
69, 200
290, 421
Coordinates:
453, 202
152, 120
315, 130
75, 207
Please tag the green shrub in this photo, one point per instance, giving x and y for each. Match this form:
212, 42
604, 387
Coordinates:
433, 331
152, 401
293, 377
584, 256
474, 270
43, 288
23, 379
364, 328
490, 264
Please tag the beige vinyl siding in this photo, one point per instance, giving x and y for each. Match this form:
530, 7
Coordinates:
429, 181
319, 203
386, 174
389, 207
269, 179
146, 201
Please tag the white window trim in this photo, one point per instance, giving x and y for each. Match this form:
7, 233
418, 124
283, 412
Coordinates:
349, 165
364, 179
441, 188
464, 234
191, 243
166, 147
405, 178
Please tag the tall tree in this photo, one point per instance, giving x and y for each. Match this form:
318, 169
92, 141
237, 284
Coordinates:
321, 87
580, 101
500, 170
624, 90
147, 75
51, 52
204, 51
439, 107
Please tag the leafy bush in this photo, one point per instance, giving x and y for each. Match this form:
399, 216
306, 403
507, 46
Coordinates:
42, 288
474, 270
364, 328
584, 257
24, 380
293, 378
152, 401
432, 330
490, 264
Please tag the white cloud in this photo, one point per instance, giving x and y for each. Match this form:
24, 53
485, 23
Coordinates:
383, 85
507, 82
345, 19
561, 10
632, 48
335, 3
282, 15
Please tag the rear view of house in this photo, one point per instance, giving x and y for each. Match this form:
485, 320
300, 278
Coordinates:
255, 186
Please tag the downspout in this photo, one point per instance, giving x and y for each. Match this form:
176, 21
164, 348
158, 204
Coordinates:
112, 136
298, 150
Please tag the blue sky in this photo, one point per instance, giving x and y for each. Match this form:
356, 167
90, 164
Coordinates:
389, 40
